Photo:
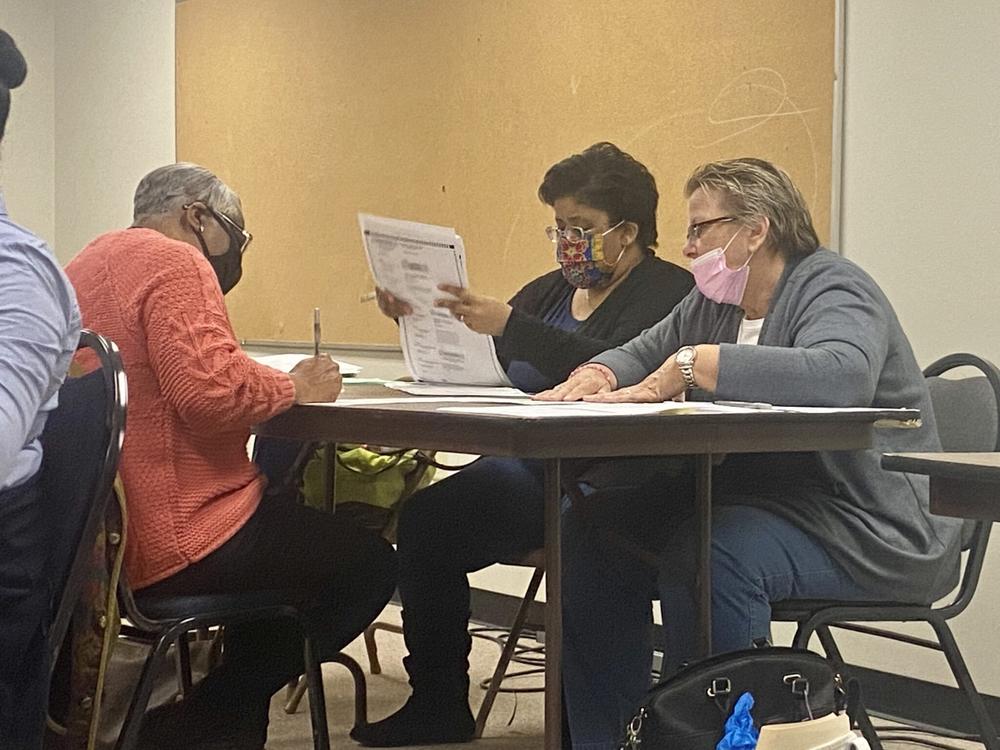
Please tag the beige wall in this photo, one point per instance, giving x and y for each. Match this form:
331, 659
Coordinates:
114, 110
921, 199
96, 113
27, 157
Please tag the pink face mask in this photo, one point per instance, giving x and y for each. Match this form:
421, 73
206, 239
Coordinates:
716, 280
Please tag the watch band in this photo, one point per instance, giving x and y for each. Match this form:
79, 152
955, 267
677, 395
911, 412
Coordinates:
687, 366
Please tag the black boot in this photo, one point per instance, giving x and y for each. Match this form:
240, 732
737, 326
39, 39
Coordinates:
423, 720
207, 719
438, 711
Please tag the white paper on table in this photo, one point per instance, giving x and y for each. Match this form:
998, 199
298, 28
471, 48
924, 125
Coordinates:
833, 409
285, 362
444, 389
566, 409
409, 260
420, 401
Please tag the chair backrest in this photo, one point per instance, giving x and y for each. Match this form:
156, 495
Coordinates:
81, 443
967, 412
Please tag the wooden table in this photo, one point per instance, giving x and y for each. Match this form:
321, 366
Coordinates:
964, 485
420, 424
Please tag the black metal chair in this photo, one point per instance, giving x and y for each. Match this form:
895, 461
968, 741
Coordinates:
967, 411
166, 621
81, 443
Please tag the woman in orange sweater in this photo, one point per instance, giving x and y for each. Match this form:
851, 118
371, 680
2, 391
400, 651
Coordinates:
201, 517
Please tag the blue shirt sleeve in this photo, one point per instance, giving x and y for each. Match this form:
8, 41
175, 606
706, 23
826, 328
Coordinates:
39, 325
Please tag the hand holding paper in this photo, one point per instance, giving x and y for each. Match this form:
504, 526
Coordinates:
391, 306
409, 262
480, 313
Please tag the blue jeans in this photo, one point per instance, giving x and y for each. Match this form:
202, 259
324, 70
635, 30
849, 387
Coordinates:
757, 558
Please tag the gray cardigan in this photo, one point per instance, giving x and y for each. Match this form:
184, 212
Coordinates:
830, 338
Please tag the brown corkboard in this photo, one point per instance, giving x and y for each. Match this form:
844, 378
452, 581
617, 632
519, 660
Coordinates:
450, 111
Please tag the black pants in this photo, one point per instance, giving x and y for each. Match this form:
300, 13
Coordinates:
345, 574
25, 612
486, 512
490, 511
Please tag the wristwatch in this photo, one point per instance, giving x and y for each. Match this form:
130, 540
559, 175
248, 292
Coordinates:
685, 358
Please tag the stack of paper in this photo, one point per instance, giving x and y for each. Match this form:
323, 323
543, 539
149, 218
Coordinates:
409, 260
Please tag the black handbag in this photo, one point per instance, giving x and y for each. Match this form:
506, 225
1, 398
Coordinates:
688, 711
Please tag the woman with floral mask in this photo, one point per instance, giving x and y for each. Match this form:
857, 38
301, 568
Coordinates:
777, 319
609, 287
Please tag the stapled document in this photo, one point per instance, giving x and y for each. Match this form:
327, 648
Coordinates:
409, 260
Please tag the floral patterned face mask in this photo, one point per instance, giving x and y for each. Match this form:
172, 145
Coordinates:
580, 254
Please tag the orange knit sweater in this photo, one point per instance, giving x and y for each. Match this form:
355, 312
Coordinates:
193, 395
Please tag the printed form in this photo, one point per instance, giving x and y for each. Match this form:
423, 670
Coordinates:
409, 260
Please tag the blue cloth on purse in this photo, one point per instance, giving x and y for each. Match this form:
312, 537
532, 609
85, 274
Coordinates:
740, 734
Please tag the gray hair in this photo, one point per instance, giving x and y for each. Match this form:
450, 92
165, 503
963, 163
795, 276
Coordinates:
165, 189
753, 188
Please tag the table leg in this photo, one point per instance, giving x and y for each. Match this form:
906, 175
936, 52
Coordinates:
553, 606
329, 476
703, 510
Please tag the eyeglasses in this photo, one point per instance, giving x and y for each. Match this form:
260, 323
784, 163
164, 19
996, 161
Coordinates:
694, 230
576, 234
234, 230
232, 227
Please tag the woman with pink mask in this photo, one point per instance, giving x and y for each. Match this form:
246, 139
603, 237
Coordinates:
776, 318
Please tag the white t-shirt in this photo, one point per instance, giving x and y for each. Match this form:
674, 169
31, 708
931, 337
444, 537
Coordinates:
749, 331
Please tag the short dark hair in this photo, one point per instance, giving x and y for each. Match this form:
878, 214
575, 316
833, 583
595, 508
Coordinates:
13, 69
606, 178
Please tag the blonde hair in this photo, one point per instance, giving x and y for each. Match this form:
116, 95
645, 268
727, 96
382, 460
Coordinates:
751, 188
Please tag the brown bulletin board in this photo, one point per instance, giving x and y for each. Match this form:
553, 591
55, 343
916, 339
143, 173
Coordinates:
450, 111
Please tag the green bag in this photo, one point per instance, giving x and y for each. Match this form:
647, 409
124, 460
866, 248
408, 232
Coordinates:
369, 484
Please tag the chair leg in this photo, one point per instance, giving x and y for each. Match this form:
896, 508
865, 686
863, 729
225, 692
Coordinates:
183, 666
294, 691
360, 688
833, 654
508, 652
129, 734
317, 701
830, 646
959, 669
297, 689
371, 646
803, 634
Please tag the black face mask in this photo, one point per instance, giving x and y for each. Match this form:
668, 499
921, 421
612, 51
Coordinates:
228, 267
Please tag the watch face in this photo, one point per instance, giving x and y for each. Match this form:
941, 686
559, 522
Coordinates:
685, 356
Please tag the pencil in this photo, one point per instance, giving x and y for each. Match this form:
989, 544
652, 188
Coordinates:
317, 336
